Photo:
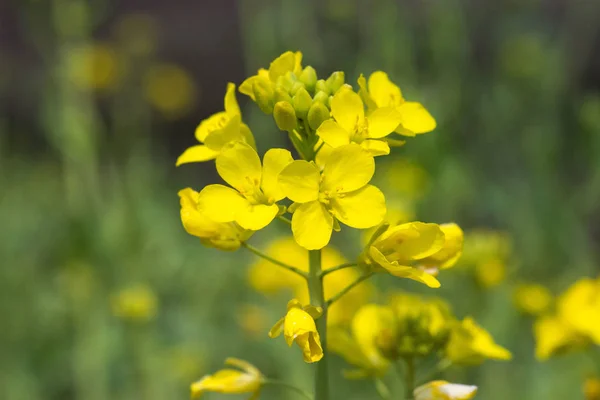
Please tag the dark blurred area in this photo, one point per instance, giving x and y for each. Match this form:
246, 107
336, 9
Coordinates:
104, 296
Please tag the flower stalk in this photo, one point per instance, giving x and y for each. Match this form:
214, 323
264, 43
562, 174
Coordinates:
259, 253
409, 378
348, 288
317, 298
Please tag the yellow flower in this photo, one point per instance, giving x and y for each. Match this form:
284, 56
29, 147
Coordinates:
286, 62
137, 303
532, 299
450, 252
299, 326
93, 67
400, 247
339, 193
471, 344
271, 279
442, 390
553, 336
252, 202
373, 331
350, 125
579, 306
591, 388
170, 89
380, 92
482, 245
221, 235
490, 272
231, 381
217, 131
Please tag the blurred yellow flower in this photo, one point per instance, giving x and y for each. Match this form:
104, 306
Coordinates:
299, 326
218, 130
490, 272
553, 337
338, 193
470, 344
591, 388
532, 299
380, 92
93, 67
270, 279
488, 253
136, 303
221, 235
252, 202
442, 390
252, 319
169, 89
138, 33
372, 336
231, 381
404, 178
579, 306
416, 250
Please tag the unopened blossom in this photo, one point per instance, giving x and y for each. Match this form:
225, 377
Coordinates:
246, 379
442, 390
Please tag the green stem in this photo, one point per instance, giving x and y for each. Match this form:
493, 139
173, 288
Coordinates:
337, 268
348, 288
289, 387
438, 369
284, 219
274, 261
317, 298
409, 378
382, 389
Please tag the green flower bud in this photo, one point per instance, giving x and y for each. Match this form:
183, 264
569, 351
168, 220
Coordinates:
321, 86
282, 95
302, 102
263, 93
285, 82
335, 81
285, 116
309, 78
321, 97
317, 114
297, 86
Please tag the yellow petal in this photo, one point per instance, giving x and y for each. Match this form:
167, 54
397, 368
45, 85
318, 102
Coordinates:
383, 91
231, 105
312, 225
221, 202
247, 87
256, 216
197, 153
333, 134
364, 93
276, 330
348, 168
347, 109
243, 365
369, 323
403, 271
383, 121
376, 147
274, 161
412, 241
210, 124
361, 209
310, 343
299, 181
194, 222
415, 119
230, 132
281, 65
240, 166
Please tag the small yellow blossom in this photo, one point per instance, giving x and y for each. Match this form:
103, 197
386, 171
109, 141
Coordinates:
553, 337
252, 202
299, 326
217, 131
350, 125
416, 250
490, 272
338, 193
532, 299
93, 67
373, 332
271, 279
591, 388
170, 89
579, 306
231, 381
221, 235
442, 390
380, 92
137, 303
471, 344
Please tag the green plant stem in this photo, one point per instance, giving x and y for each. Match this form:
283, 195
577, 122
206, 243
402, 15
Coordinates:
438, 369
284, 219
274, 261
317, 298
288, 386
409, 378
382, 390
336, 268
345, 290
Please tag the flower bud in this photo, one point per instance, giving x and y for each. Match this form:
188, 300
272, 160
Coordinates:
321, 86
321, 97
263, 94
282, 95
317, 114
309, 78
285, 116
297, 86
302, 102
335, 81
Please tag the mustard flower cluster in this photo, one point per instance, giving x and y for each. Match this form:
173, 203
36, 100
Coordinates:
325, 185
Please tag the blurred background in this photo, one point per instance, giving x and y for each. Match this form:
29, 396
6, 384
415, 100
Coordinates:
104, 296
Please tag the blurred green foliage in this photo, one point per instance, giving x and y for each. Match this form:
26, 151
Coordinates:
517, 149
